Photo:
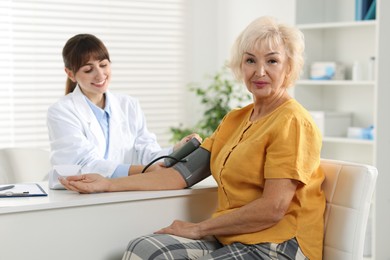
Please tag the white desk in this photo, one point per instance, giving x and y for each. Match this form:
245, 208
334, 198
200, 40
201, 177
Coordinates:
72, 226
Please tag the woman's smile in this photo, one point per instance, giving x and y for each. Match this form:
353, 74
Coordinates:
260, 83
99, 84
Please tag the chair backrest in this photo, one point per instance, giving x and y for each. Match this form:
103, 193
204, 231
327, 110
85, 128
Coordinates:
348, 189
23, 165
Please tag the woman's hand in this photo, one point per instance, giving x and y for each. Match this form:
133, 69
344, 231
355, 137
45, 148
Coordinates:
186, 139
86, 183
182, 229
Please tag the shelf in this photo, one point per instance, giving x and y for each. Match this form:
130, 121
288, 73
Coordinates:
332, 34
336, 82
344, 140
336, 25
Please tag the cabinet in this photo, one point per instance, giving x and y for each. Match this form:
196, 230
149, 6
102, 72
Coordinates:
333, 35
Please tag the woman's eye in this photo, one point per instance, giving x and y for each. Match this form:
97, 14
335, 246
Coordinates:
272, 61
250, 60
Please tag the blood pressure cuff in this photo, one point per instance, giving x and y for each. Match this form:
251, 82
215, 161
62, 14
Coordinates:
196, 166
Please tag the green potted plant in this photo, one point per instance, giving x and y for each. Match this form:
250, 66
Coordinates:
218, 98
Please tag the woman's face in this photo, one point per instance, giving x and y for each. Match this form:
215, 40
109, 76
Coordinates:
93, 78
264, 71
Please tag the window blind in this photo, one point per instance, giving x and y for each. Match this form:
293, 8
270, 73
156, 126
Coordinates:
146, 41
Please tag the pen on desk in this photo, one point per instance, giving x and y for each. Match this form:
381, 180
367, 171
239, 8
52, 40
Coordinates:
7, 187
17, 194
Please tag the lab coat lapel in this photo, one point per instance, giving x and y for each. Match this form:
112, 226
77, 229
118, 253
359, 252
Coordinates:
87, 116
117, 121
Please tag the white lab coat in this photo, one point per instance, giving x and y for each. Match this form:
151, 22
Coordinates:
77, 138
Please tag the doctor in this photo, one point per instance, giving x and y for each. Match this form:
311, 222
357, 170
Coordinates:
101, 131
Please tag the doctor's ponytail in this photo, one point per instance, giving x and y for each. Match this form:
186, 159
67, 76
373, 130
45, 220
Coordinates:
70, 86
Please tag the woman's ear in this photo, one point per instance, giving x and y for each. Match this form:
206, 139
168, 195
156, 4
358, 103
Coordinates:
289, 67
70, 75
287, 77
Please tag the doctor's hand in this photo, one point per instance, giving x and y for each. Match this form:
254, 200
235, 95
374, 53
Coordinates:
86, 183
186, 139
155, 167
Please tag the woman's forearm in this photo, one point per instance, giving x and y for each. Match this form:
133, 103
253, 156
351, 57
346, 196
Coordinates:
257, 215
164, 179
244, 220
250, 218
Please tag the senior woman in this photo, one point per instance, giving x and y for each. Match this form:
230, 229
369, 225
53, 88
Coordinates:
265, 158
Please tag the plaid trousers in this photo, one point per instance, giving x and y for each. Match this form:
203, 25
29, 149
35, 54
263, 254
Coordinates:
171, 247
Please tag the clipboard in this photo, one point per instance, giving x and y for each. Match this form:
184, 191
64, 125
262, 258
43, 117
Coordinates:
22, 190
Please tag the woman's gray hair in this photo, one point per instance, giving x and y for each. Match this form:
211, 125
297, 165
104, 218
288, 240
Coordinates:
267, 30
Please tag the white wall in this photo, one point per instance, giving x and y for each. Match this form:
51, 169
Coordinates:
215, 25
235, 15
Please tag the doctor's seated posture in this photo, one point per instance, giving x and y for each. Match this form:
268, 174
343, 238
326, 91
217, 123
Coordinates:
103, 132
264, 157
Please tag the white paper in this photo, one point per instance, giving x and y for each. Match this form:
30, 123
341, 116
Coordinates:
62, 171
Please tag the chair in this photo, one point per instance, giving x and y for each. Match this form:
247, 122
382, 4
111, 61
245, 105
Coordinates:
348, 189
23, 165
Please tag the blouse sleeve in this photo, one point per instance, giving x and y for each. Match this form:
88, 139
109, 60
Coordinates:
294, 150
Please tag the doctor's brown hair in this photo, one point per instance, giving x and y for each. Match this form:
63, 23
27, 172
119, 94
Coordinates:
78, 50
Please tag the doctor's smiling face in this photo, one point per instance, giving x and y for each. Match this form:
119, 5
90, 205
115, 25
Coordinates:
93, 78
87, 64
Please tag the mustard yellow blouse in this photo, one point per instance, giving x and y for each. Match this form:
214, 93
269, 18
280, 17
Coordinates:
284, 144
